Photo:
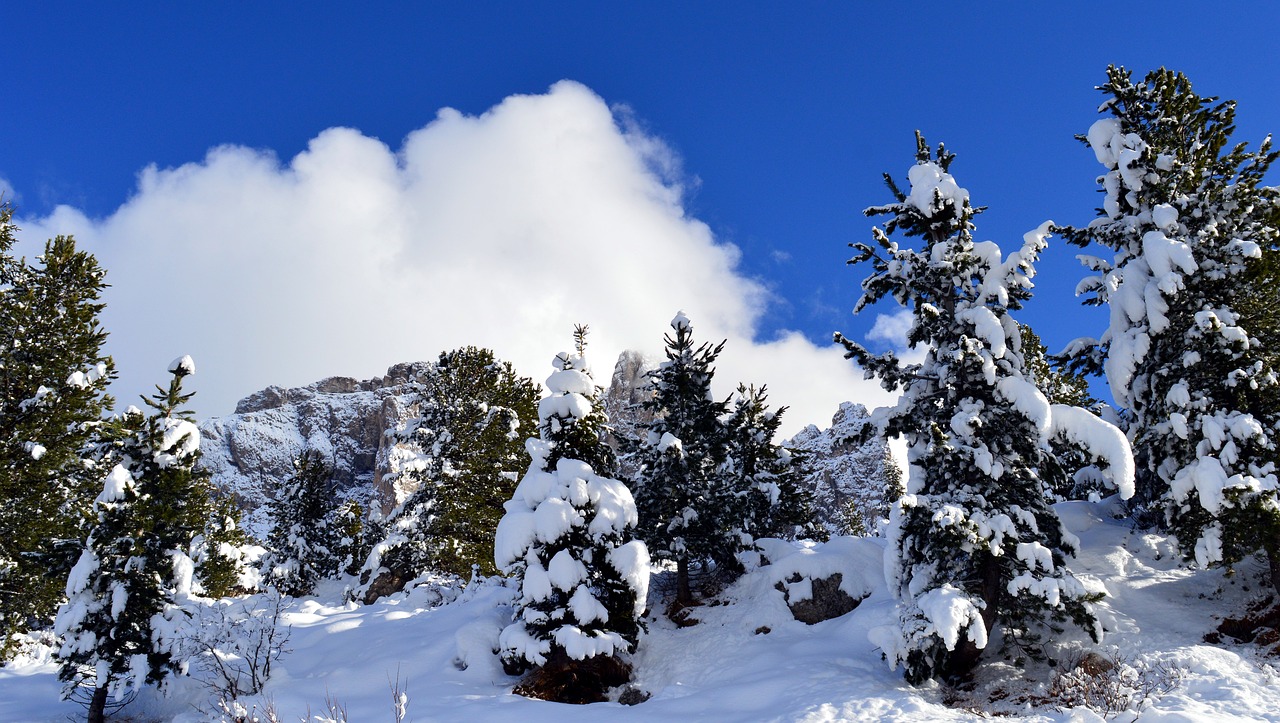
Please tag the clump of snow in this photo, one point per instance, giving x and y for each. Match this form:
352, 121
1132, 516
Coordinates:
115, 484
1101, 440
183, 366
932, 189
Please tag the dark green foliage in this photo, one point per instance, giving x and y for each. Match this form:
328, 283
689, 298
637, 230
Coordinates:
301, 542
679, 493
463, 453
353, 545
131, 571
219, 569
1195, 371
53, 380
1059, 385
765, 481
974, 531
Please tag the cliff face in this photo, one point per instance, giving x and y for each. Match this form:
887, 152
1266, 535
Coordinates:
251, 451
848, 478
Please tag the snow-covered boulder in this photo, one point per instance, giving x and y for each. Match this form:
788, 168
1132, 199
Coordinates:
827, 580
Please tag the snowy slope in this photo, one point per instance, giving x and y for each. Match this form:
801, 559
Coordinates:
724, 669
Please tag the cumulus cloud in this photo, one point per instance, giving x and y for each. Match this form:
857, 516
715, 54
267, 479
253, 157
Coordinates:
500, 230
892, 329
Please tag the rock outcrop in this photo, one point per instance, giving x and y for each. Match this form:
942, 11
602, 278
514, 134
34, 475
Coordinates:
251, 451
848, 478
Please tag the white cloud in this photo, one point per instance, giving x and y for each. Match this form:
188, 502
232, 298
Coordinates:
502, 230
892, 329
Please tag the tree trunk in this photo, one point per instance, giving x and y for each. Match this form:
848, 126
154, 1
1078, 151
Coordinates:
98, 705
683, 595
960, 664
1273, 562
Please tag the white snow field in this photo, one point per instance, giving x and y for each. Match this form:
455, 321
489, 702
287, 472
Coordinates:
727, 668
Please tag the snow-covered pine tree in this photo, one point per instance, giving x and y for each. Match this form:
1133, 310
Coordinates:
1075, 477
765, 481
566, 537
352, 548
53, 381
973, 542
120, 621
679, 492
221, 567
300, 538
1189, 225
462, 453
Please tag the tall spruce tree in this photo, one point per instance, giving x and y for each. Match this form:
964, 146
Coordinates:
1189, 352
567, 535
973, 542
765, 481
120, 620
301, 540
679, 492
462, 452
53, 380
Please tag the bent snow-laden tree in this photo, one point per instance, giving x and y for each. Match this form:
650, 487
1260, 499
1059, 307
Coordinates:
1190, 227
973, 542
119, 625
566, 537
53, 381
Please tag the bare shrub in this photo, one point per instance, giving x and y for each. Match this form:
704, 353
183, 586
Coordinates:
1109, 685
233, 646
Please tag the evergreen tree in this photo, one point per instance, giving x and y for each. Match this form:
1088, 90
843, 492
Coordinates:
765, 481
1070, 475
462, 453
1189, 352
973, 542
119, 623
53, 380
300, 541
220, 562
352, 547
567, 534
1058, 385
679, 491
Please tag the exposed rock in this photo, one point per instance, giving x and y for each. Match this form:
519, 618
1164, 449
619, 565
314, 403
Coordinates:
250, 452
848, 478
386, 583
633, 696
1095, 664
825, 599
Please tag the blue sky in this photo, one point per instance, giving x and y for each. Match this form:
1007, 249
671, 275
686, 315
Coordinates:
782, 117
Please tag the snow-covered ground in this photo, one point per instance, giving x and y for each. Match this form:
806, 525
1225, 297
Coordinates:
727, 668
